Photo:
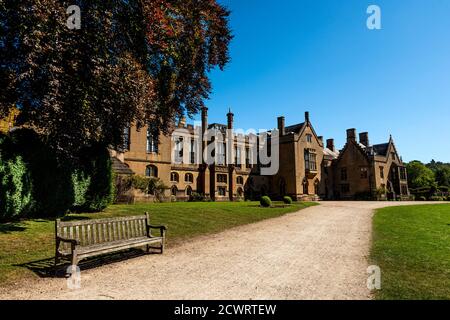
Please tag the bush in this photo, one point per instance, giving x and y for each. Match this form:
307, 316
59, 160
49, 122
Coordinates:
422, 198
448, 198
49, 183
38, 182
92, 180
436, 198
141, 183
287, 200
196, 197
265, 202
81, 183
15, 189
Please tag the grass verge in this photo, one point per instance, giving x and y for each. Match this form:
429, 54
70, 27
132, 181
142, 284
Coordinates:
412, 247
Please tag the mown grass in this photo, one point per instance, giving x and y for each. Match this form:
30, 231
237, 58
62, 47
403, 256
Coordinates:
32, 240
412, 247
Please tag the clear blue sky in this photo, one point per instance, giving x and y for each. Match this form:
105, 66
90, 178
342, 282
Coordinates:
290, 56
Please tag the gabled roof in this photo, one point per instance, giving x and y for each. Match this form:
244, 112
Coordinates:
296, 128
381, 149
360, 147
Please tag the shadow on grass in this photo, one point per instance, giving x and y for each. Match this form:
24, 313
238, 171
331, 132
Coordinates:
11, 227
76, 217
45, 268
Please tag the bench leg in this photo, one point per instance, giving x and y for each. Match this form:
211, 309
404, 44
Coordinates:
162, 246
56, 263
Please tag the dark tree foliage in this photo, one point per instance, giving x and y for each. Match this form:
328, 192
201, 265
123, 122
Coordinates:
132, 61
441, 171
35, 183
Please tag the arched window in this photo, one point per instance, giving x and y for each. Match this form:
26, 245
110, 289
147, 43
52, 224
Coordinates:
188, 191
240, 192
174, 191
189, 177
151, 171
240, 180
174, 177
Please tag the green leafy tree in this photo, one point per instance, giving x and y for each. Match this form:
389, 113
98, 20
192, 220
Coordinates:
136, 61
441, 171
420, 176
443, 176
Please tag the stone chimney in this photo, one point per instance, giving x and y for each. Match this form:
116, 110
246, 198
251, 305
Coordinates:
182, 122
330, 145
281, 126
351, 135
204, 119
307, 117
320, 139
230, 117
364, 138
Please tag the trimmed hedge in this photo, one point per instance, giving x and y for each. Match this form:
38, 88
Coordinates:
265, 202
34, 182
287, 200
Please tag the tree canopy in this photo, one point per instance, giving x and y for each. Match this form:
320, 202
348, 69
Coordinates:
441, 171
132, 61
419, 175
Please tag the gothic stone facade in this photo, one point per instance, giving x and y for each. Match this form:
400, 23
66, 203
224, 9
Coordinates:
308, 169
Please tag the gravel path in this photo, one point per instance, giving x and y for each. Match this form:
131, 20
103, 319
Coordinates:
317, 253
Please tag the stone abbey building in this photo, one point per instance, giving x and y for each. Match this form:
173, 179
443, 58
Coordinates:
309, 168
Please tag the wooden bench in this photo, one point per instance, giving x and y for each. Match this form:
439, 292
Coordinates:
77, 240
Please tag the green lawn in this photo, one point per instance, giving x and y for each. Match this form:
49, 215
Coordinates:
33, 240
412, 247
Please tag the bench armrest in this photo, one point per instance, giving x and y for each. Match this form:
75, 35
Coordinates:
158, 227
162, 229
71, 241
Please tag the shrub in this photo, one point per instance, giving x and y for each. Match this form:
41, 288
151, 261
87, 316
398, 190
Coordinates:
265, 202
15, 188
196, 197
34, 172
448, 198
436, 198
99, 167
422, 198
287, 200
141, 183
81, 183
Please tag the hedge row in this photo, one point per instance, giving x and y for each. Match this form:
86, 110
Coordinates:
34, 182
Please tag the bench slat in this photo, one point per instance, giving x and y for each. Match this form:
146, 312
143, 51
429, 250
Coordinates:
105, 220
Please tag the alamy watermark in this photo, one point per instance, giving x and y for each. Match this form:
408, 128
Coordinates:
374, 19
74, 278
222, 146
374, 279
74, 19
